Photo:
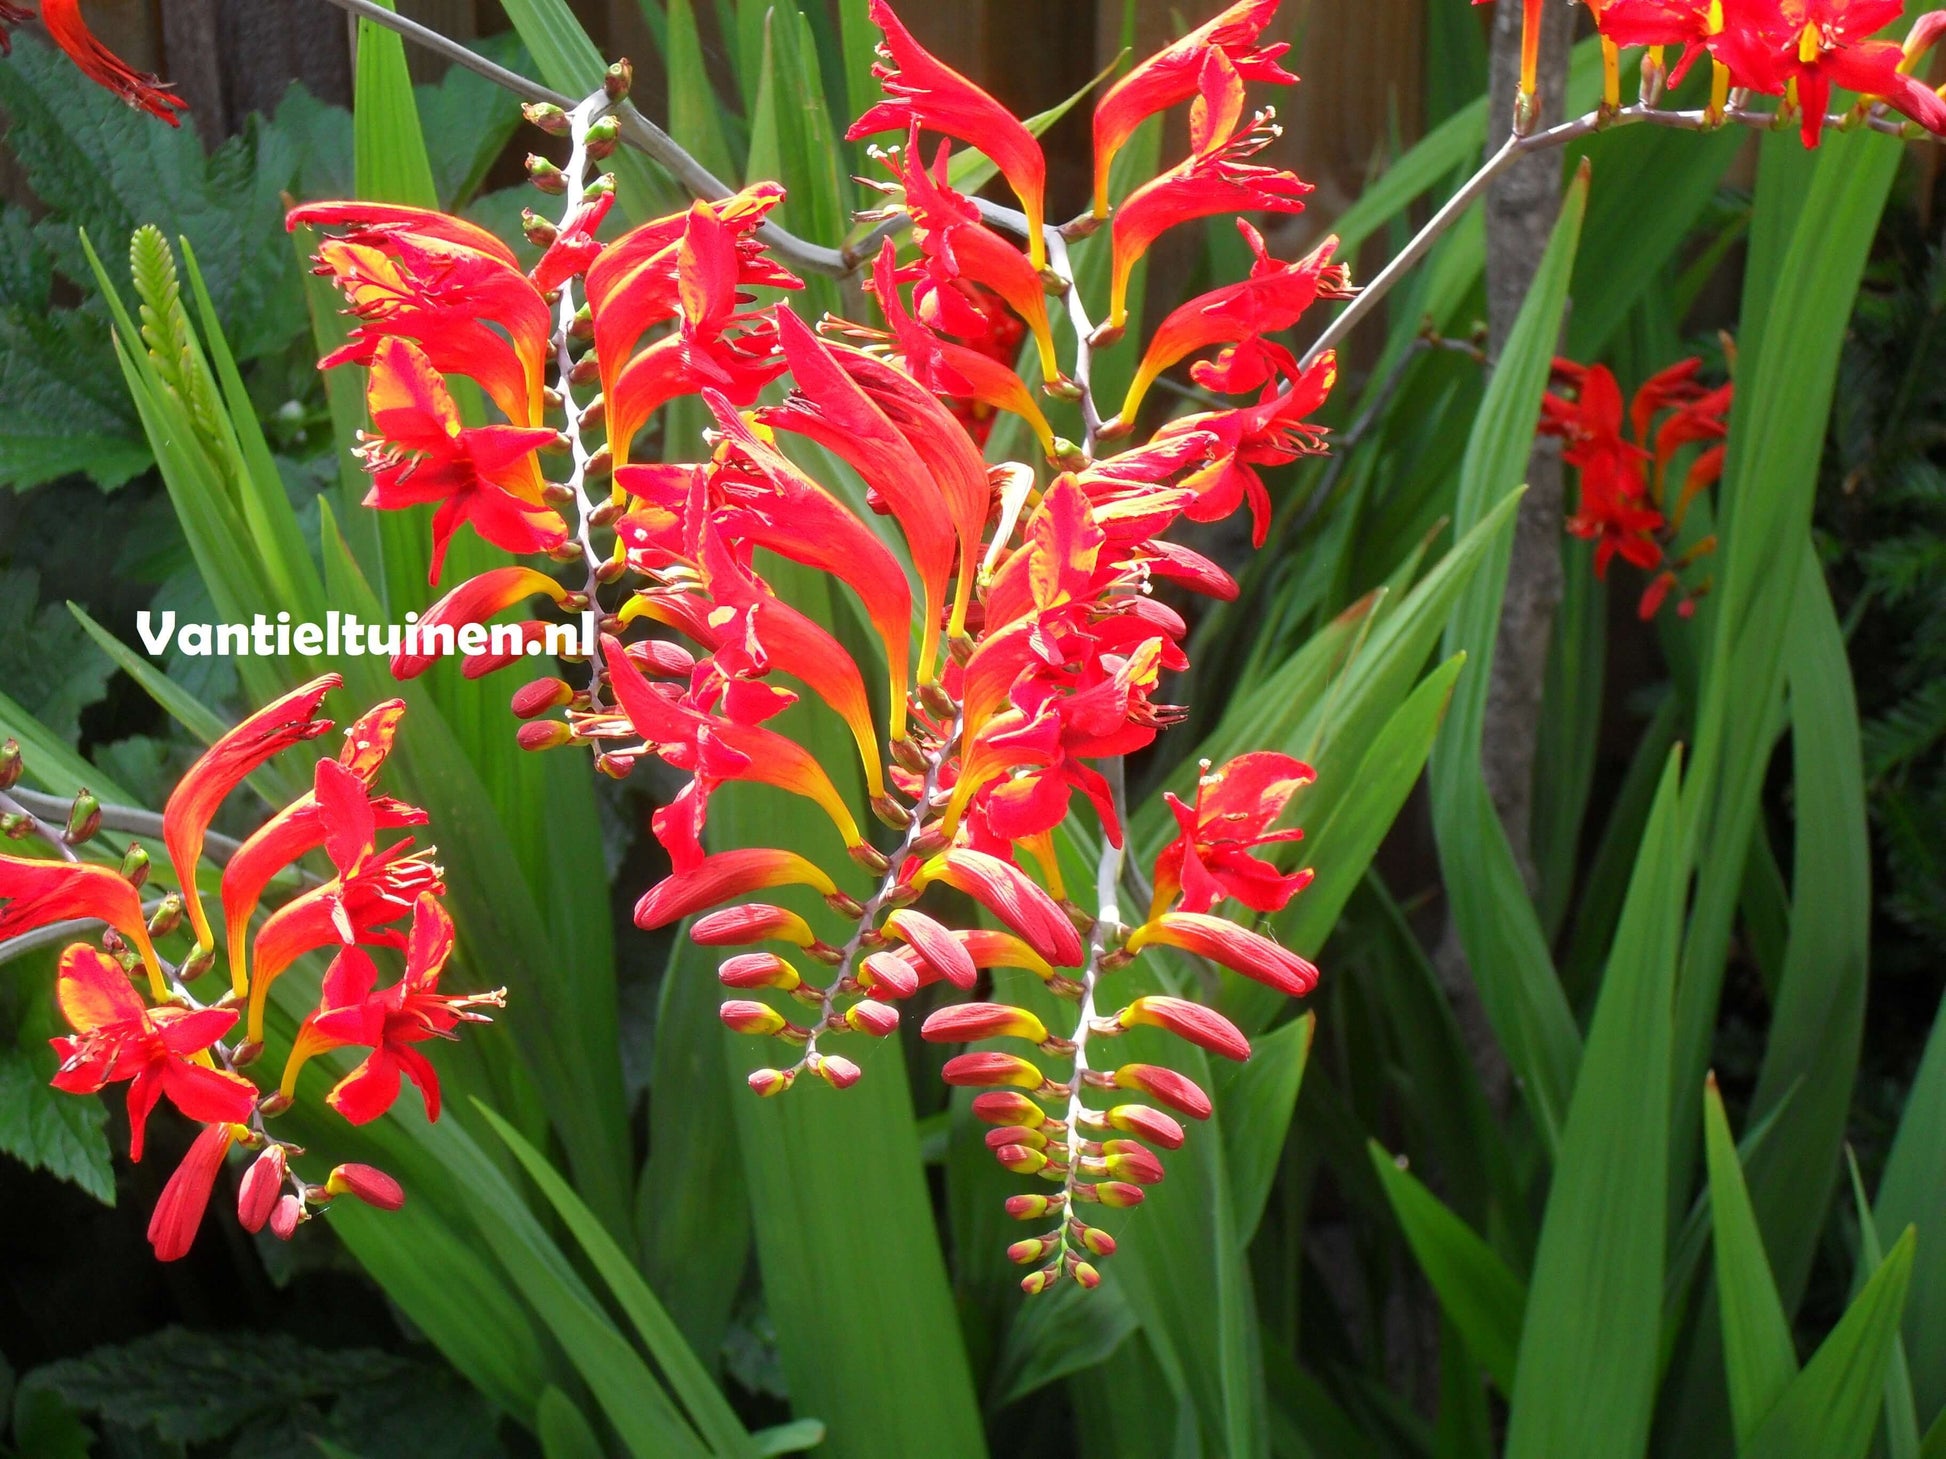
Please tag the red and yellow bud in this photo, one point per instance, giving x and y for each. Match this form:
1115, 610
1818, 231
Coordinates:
540, 696
1126, 1160
1024, 1253
757, 970
260, 1189
984, 1069
868, 1016
1203, 1027
1118, 1194
179, 1211
1021, 1159
1033, 1139
837, 1071
942, 952
724, 875
1181, 1093
370, 1185
1237, 948
1007, 1107
747, 1016
1012, 896
965, 1022
752, 922
473, 601
1151, 1124
1085, 1274
1094, 1239
766, 1082
285, 1216
889, 975
1032, 1207
1034, 1283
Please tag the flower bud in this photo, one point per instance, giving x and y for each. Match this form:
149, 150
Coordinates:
262, 1184
167, 917
247, 1053
84, 819
547, 116
545, 175
944, 954
766, 1082
753, 922
16, 826
1033, 1139
838, 1071
1032, 1207
1085, 1274
619, 78
11, 765
1020, 1159
888, 974
540, 696
1007, 1107
1201, 1026
274, 1103
1097, 1241
1126, 1160
844, 906
196, 964
757, 970
1034, 1283
1151, 1124
891, 810
540, 232
869, 1016
614, 765
988, 1069
869, 857
1117, 1193
1030, 1250
602, 138
965, 1022
1181, 1094
135, 865
369, 1184
285, 1215
543, 734
745, 1015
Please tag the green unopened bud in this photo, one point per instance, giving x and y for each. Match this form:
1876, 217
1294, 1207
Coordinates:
84, 819
135, 864
603, 137
547, 116
167, 917
618, 80
199, 962
602, 186
11, 764
545, 175
540, 232
15, 826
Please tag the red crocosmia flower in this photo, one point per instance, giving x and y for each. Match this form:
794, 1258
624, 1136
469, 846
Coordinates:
1811, 46
957, 247
1210, 858
473, 601
766, 500
574, 247
715, 346
1236, 948
988, 947
798, 644
1170, 77
1614, 510
1273, 298
831, 408
35, 893
1265, 434
1007, 892
954, 370
724, 875
179, 1211
299, 829
355, 1011
421, 452
159, 1051
372, 889
923, 93
368, 1184
714, 749
1686, 23
447, 285
99, 64
219, 770
1216, 178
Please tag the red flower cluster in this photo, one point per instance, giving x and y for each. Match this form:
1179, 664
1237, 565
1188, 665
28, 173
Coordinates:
1013, 606
1624, 504
174, 1045
1798, 50
68, 30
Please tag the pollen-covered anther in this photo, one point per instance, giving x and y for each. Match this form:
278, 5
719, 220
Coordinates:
868, 1016
758, 970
